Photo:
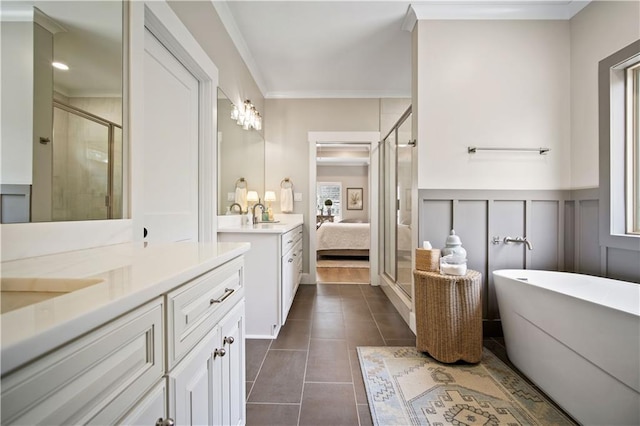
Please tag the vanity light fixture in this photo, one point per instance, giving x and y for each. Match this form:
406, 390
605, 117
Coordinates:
60, 66
247, 116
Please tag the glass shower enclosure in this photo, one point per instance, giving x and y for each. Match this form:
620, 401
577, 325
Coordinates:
87, 179
396, 175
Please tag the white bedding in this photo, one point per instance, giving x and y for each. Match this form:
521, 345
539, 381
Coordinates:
343, 236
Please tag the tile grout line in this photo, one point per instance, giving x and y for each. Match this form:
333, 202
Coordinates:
366, 300
353, 384
306, 361
374, 319
259, 370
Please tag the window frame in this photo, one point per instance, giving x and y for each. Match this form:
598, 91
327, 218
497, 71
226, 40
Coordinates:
613, 147
337, 203
632, 170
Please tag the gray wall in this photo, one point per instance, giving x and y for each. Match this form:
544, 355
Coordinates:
562, 226
588, 255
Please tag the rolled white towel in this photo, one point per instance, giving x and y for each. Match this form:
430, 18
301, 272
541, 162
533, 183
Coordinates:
286, 200
241, 198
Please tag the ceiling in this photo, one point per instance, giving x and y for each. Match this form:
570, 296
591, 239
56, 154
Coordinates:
87, 37
350, 49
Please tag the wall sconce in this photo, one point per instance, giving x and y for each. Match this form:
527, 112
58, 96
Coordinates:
247, 116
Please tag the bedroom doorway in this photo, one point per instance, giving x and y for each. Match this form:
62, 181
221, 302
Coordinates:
343, 249
342, 223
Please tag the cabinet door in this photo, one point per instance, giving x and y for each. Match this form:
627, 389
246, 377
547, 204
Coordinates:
288, 270
152, 408
191, 392
233, 367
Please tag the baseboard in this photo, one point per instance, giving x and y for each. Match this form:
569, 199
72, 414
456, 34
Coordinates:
492, 328
308, 279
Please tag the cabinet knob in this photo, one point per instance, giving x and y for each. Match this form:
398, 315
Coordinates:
165, 422
219, 352
229, 340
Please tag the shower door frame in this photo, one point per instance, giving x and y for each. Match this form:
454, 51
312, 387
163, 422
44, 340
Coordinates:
110, 125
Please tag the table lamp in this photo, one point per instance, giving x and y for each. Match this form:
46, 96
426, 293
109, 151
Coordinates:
269, 196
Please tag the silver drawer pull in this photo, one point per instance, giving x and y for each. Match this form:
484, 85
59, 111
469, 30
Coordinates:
290, 260
229, 340
162, 422
219, 352
227, 292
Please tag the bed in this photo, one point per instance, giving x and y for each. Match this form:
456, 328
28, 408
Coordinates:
343, 239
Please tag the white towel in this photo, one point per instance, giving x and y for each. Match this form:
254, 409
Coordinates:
286, 200
241, 198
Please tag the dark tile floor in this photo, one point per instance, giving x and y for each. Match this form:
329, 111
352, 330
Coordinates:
310, 374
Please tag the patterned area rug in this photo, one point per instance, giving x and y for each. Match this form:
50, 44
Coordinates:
407, 387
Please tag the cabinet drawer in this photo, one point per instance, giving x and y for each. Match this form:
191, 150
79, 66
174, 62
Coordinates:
95, 379
290, 238
195, 308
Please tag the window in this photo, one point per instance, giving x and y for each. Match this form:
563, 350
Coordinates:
633, 149
329, 191
619, 126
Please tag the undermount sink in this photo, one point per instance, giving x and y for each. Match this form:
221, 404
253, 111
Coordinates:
19, 292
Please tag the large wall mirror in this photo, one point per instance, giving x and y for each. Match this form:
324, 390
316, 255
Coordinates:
62, 111
240, 158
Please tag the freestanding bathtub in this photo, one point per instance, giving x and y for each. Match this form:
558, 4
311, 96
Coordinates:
577, 337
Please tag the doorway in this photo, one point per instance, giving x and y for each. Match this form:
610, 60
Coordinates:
343, 168
342, 222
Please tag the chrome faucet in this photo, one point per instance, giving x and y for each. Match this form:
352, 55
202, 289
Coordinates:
236, 204
253, 211
524, 240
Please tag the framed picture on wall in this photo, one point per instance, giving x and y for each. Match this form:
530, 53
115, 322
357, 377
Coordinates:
354, 198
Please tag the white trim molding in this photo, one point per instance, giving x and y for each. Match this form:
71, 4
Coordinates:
500, 10
230, 25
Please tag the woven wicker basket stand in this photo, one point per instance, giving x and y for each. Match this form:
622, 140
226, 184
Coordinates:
449, 315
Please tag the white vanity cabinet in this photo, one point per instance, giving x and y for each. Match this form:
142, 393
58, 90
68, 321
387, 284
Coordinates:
291, 267
207, 387
179, 358
206, 350
94, 380
273, 271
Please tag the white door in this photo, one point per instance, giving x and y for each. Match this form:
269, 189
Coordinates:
170, 146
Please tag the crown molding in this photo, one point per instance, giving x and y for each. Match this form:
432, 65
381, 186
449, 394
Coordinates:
495, 10
338, 94
230, 25
26, 12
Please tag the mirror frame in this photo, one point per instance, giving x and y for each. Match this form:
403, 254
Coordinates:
23, 240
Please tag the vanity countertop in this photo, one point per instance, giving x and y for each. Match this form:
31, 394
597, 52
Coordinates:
130, 275
285, 223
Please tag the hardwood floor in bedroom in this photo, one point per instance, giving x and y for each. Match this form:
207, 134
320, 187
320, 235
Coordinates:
342, 275
342, 270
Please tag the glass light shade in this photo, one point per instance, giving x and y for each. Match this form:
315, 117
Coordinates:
269, 196
252, 196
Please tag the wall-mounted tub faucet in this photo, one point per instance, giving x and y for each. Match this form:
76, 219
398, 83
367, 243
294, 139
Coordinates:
508, 240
